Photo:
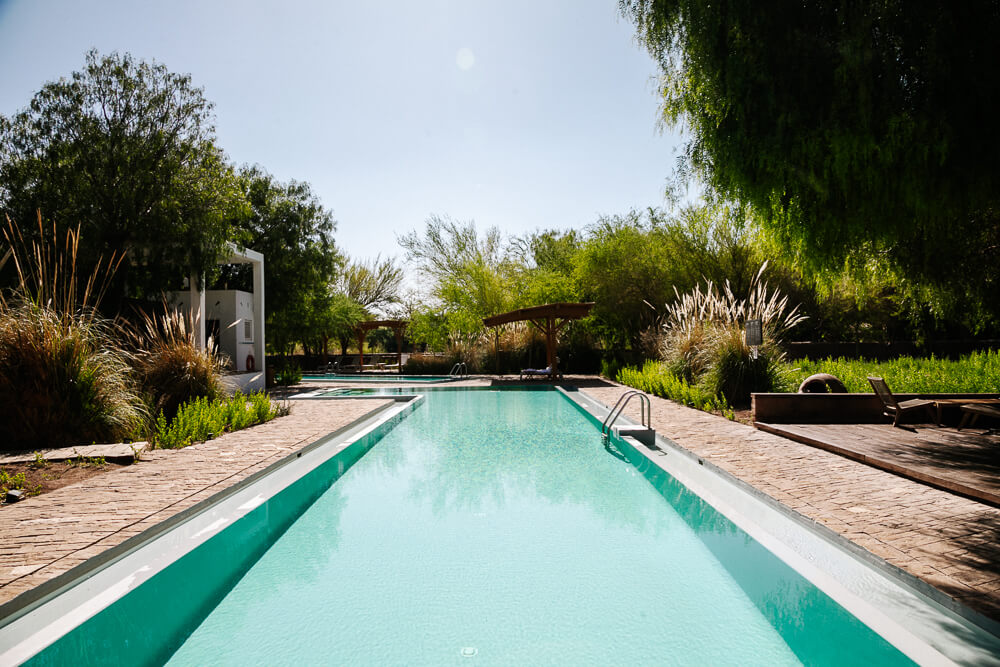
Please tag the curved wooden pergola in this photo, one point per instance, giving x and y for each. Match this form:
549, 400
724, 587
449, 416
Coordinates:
544, 318
397, 326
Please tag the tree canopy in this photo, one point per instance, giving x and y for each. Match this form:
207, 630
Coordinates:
842, 123
293, 230
126, 149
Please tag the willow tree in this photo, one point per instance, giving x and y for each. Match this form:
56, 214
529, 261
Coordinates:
847, 125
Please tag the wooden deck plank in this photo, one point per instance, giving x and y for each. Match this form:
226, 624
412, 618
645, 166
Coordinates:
959, 461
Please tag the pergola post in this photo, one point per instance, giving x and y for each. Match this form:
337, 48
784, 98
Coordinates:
399, 349
544, 319
550, 345
361, 350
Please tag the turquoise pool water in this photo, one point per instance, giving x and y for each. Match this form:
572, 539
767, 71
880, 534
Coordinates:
488, 527
387, 377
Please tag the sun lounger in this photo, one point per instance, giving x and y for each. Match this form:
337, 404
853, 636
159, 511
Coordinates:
896, 409
536, 372
973, 411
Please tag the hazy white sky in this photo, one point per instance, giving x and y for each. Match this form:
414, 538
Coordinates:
524, 114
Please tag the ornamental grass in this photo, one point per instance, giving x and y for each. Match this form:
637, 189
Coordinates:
64, 380
171, 369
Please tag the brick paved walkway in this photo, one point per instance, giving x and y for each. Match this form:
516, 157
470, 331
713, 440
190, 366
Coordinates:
40, 538
951, 542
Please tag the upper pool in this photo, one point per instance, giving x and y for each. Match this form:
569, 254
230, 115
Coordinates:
386, 377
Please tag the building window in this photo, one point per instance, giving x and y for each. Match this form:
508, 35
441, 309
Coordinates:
248, 330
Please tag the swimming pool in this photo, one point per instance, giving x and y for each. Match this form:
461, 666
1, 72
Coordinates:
487, 525
386, 377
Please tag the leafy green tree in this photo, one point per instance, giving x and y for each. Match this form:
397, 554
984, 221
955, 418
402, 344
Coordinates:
126, 149
865, 126
374, 284
289, 225
626, 266
368, 285
334, 316
547, 260
472, 275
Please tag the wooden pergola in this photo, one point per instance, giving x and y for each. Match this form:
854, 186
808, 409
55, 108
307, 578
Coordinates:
397, 326
544, 319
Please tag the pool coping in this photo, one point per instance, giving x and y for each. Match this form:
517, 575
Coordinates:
894, 575
34, 598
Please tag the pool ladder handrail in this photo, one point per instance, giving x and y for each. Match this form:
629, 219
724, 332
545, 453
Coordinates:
645, 410
459, 370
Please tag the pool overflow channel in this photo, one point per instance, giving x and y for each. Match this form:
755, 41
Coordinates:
913, 617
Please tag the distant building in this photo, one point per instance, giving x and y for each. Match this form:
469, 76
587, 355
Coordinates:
232, 320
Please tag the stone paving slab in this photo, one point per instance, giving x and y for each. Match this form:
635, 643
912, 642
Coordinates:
120, 452
43, 537
948, 541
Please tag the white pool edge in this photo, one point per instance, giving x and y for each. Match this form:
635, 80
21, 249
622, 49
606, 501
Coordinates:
922, 628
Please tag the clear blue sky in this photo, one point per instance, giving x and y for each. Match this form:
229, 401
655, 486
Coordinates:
520, 114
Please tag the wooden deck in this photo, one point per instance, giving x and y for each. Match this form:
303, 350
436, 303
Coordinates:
965, 462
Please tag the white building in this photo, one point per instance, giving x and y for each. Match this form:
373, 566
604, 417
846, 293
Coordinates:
234, 320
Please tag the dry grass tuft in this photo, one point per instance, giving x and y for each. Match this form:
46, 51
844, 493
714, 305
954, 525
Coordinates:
170, 368
703, 338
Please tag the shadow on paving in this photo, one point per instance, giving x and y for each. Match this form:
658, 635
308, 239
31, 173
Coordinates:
963, 462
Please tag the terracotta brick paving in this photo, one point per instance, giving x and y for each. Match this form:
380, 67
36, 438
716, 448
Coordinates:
42, 537
950, 542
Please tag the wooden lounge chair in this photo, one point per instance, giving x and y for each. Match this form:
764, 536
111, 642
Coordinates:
896, 409
972, 411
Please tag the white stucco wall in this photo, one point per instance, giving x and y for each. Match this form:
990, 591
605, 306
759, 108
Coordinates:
233, 309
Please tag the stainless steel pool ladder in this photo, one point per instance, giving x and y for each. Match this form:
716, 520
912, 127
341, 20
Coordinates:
645, 411
459, 370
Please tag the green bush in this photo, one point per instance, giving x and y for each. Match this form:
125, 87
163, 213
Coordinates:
654, 378
287, 373
978, 372
204, 419
731, 370
610, 368
18, 480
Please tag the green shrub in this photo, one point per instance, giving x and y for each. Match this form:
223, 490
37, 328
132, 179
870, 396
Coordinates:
978, 372
170, 367
654, 378
203, 419
610, 368
10, 482
429, 364
703, 340
731, 370
287, 373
